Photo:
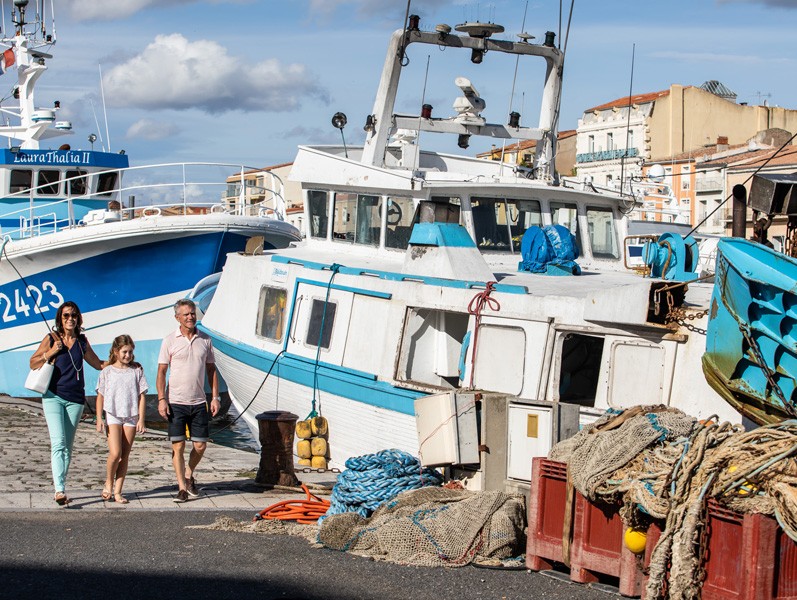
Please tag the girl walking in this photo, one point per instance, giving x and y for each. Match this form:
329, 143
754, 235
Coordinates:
121, 390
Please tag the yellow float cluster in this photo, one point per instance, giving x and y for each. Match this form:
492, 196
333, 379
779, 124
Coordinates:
312, 447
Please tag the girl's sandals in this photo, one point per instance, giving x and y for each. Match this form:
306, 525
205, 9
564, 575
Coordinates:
61, 499
107, 496
121, 499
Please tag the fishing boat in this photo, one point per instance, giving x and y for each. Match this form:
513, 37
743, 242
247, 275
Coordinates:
430, 274
123, 242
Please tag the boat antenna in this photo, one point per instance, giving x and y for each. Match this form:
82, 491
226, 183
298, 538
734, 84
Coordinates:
512, 93
560, 24
104, 110
52, 19
558, 111
3, 9
628, 126
97, 123
403, 57
423, 99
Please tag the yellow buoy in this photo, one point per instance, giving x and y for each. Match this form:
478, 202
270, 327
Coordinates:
319, 426
318, 462
305, 462
318, 446
303, 430
303, 449
635, 540
746, 489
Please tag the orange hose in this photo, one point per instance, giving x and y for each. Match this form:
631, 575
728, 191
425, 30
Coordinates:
306, 511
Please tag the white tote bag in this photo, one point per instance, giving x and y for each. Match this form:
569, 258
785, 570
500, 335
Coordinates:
39, 379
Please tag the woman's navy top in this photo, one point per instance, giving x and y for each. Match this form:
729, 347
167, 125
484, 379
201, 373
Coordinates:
68, 380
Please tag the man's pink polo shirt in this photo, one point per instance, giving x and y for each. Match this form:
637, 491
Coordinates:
186, 359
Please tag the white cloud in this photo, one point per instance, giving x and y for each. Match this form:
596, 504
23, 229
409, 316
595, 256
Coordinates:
149, 129
777, 3
174, 73
387, 9
88, 10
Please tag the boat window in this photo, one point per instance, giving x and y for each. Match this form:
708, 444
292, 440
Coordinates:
400, 215
602, 236
356, 219
319, 330
432, 347
21, 180
580, 364
500, 223
77, 182
47, 182
106, 183
567, 214
271, 312
319, 213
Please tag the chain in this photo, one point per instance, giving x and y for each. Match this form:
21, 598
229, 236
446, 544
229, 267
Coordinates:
680, 316
768, 373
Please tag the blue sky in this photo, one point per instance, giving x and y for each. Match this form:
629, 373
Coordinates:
247, 81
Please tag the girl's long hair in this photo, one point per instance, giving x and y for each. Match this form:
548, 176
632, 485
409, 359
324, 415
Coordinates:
118, 342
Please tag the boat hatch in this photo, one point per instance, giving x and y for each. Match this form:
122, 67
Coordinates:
432, 347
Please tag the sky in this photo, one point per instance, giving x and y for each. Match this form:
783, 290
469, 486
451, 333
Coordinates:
247, 81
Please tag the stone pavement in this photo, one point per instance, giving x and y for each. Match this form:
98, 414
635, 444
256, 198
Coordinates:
225, 477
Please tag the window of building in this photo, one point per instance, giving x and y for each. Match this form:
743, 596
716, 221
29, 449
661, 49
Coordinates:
630, 143
322, 319
610, 141
319, 213
591, 144
602, 235
271, 313
20, 181
77, 182
47, 182
356, 219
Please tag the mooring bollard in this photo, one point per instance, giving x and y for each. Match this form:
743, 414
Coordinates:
276, 428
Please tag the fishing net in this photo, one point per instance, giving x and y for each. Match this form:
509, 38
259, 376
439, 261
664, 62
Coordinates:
433, 527
661, 463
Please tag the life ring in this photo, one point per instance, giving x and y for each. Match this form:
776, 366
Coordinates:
150, 211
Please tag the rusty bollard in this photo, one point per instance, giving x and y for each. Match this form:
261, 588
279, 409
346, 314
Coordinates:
276, 428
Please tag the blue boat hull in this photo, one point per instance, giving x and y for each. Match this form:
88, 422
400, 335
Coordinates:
751, 344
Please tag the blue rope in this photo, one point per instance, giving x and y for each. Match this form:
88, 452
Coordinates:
371, 480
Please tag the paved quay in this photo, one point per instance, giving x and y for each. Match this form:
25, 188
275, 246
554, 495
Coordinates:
225, 476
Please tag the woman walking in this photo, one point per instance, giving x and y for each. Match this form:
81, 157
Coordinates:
67, 349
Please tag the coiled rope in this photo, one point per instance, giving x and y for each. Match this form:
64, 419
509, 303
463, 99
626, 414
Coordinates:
374, 479
475, 308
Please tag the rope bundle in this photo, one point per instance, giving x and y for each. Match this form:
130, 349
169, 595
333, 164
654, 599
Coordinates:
373, 479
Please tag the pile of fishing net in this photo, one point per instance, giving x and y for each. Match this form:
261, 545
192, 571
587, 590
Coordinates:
372, 479
663, 464
434, 527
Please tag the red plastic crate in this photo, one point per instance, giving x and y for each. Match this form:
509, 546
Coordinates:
598, 547
547, 499
747, 557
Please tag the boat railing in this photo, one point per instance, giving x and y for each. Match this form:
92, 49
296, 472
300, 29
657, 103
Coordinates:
147, 197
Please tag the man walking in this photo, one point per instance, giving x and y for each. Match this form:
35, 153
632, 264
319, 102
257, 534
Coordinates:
188, 353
